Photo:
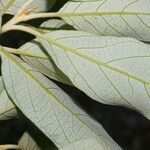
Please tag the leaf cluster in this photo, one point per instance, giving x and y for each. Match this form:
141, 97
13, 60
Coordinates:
95, 45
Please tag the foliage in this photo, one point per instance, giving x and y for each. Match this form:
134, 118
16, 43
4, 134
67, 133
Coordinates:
94, 45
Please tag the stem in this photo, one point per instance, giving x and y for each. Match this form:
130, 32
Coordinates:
18, 17
9, 146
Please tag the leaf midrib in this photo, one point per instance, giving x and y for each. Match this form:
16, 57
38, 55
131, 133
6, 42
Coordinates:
75, 14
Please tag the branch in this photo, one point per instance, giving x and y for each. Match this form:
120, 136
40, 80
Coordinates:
19, 15
9, 146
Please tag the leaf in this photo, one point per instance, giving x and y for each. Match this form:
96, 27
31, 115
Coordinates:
42, 63
12, 6
83, 0
48, 107
129, 18
7, 108
53, 24
88, 144
27, 143
110, 70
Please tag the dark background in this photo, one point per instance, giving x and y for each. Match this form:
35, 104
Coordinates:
128, 128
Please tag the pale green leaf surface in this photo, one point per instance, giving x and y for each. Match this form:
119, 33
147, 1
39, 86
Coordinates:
27, 143
83, 0
44, 64
49, 108
88, 144
129, 18
7, 108
52, 24
111, 70
1, 84
12, 6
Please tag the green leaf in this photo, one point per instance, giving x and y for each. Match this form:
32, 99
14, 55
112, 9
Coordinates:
27, 143
7, 108
111, 70
48, 107
53, 24
43, 63
129, 18
83, 0
12, 6
87, 144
